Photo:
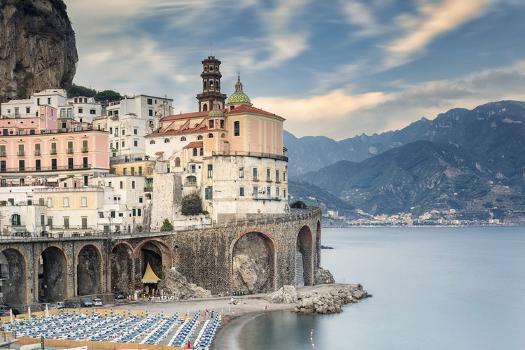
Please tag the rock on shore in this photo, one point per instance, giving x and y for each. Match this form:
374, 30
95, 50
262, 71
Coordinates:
285, 295
329, 301
175, 285
323, 276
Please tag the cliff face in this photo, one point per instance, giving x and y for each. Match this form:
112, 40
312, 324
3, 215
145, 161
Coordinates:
37, 47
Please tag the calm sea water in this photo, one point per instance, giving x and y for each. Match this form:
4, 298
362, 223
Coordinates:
433, 288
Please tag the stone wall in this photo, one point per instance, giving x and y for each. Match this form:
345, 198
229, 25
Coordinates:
205, 256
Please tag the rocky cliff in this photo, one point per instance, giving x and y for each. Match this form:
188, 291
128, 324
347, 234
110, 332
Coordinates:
37, 47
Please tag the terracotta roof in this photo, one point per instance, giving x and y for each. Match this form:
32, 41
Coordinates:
250, 109
160, 132
184, 116
194, 144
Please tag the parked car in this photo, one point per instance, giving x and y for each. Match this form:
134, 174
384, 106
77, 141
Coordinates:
86, 302
97, 302
60, 305
70, 304
119, 296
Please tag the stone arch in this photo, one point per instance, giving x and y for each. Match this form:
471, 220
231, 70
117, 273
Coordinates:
156, 253
52, 275
13, 272
318, 244
253, 263
304, 257
89, 270
122, 268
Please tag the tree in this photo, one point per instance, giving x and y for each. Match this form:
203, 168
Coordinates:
298, 205
166, 226
78, 90
108, 95
191, 205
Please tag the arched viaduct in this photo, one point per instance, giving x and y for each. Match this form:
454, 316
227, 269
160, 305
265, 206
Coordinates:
248, 256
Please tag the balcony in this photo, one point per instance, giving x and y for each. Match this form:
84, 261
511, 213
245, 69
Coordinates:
3, 154
85, 150
21, 153
48, 168
251, 154
70, 150
53, 152
37, 153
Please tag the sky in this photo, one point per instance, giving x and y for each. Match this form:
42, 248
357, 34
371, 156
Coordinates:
337, 68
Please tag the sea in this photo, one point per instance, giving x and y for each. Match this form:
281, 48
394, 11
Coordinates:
433, 288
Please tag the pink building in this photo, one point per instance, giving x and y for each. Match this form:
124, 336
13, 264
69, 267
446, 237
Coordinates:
47, 153
46, 120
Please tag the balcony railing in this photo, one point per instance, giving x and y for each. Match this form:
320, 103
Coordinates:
21, 153
70, 150
3, 154
24, 132
48, 168
37, 153
250, 154
85, 150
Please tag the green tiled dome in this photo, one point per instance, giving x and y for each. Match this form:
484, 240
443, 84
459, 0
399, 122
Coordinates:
216, 113
238, 97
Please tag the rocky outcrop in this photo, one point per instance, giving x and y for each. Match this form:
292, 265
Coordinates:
329, 301
175, 285
285, 295
37, 47
323, 276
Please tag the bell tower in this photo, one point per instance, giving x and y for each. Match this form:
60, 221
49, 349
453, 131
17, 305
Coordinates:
211, 98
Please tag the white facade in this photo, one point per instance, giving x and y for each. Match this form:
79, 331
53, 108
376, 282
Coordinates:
84, 109
29, 107
126, 136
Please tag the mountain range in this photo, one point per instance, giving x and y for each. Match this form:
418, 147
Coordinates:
472, 161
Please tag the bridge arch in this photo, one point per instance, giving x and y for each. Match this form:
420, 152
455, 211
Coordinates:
89, 279
13, 271
155, 253
253, 260
318, 244
304, 257
122, 268
52, 275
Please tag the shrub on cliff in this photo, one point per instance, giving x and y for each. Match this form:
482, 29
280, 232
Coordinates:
191, 205
298, 205
108, 95
166, 226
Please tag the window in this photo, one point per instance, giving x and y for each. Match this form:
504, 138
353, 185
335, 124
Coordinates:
192, 168
101, 215
42, 220
255, 191
284, 175
269, 191
2, 151
121, 185
80, 110
268, 176
222, 124
49, 100
195, 152
277, 175
177, 162
85, 163
277, 192
37, 149
140, 171
210, 135
84, 222
150, 112
241, 173
111, 130
50, 221
132, 171
28, 110
70, 147
208, 193
125, 171
65, 202
53, 164
141, 200
237, 128
183, 138
139, 212
254, 174
21, 165
38, 101
135, 131
132, 185
201, 151
150, 101
70, 163
241, 192
112, 214
85, 146
152, 142
116, 131
38, 164
134, 212
212, 124
21, 151
210, 171
83, 201
66, 221
135, 143
123, 143
166, 140
3, 166
15, 220
123, 131
92, 111
50, 202
199, 137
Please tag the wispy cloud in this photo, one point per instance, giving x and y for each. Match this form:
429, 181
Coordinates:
362, 16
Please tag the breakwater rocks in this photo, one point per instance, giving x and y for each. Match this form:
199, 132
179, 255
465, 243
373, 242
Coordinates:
329, 300
323, 276
175, 285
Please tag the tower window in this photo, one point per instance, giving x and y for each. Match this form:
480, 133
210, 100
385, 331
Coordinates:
237, 128
204, 107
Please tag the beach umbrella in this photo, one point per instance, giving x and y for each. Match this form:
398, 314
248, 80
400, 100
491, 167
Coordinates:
189, 344
29, 311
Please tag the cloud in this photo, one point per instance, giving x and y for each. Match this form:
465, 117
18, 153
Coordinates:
431, 21
340, 114
361, 16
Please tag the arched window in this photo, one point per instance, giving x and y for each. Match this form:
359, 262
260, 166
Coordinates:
183, 138
15, 220
166, 140
204, 84
223, 135
177, 162
204, 107
210, 135
191, 180
152, 142
199, 137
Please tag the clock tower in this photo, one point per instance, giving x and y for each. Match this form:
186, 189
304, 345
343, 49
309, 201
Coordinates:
211, 98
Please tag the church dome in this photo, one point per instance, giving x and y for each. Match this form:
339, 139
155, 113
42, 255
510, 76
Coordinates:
216, 113
238, 97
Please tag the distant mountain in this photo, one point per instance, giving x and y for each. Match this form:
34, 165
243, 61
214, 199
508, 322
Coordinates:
316, 196
468, 160
478, 130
